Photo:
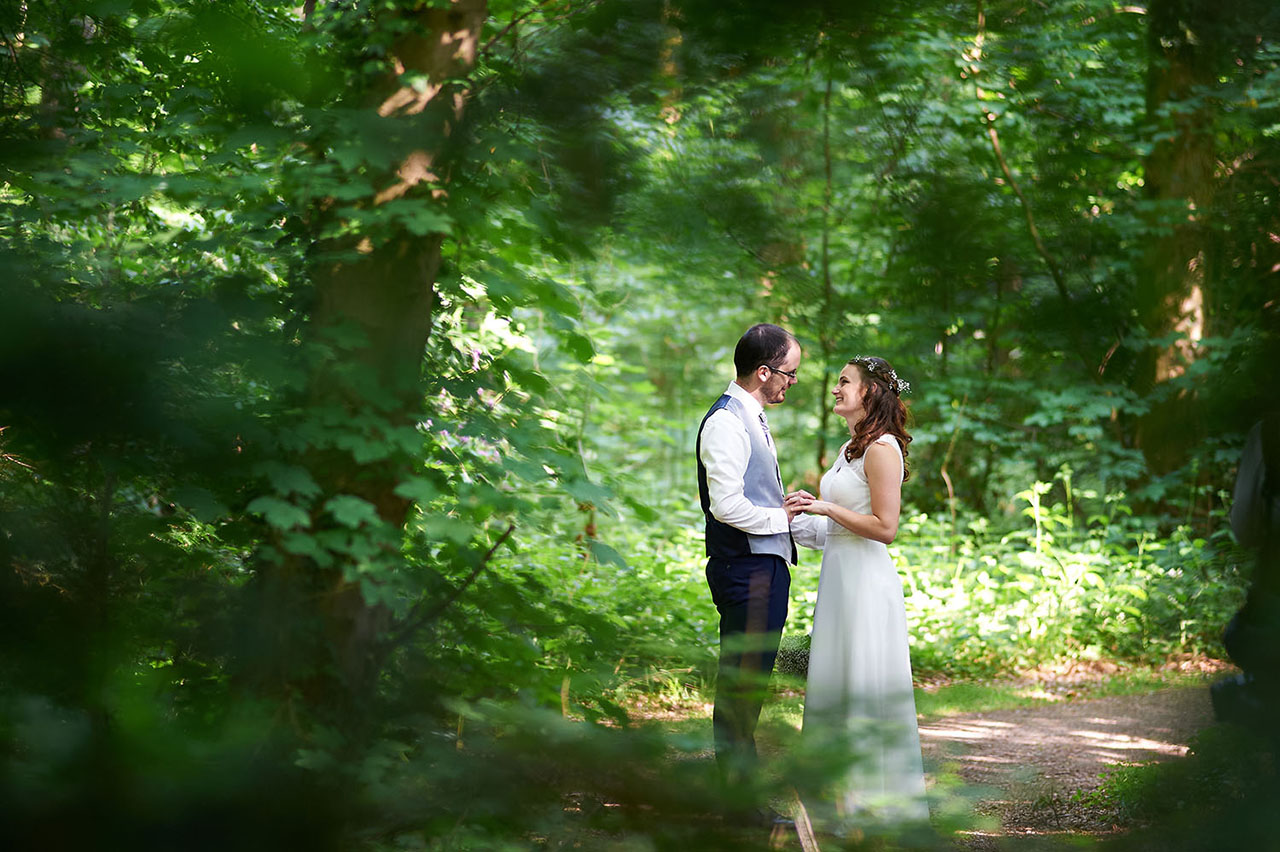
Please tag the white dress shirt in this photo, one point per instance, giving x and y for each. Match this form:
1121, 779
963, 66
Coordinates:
725, 450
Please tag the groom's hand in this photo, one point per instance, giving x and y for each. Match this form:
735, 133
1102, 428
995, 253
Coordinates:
796, 503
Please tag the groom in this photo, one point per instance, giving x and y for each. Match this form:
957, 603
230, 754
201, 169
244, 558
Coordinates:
748, 535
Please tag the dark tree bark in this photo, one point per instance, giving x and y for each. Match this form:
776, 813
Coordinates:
328, 641
1179, 182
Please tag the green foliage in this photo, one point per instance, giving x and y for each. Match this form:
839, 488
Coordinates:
1064, 587
407, 599
1221, 793
1089, 584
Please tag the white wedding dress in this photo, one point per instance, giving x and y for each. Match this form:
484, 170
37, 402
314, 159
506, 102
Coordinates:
859, 701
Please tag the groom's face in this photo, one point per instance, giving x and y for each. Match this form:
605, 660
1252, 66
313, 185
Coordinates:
776, 387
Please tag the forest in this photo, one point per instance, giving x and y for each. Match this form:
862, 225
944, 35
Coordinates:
353, 353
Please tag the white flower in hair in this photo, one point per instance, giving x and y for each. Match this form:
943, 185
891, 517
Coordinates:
880, 367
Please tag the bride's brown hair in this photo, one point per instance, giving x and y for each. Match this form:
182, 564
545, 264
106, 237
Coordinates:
885, 412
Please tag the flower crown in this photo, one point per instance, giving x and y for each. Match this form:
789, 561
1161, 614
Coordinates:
880, 367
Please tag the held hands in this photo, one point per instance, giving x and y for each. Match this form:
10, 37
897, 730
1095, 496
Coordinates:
798, 502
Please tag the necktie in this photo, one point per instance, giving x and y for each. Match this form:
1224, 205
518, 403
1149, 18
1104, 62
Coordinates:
768, 439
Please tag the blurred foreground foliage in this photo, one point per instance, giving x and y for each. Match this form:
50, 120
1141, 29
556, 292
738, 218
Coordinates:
351, 354
1221, 795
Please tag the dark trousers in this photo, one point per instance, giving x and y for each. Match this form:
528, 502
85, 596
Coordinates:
751, 594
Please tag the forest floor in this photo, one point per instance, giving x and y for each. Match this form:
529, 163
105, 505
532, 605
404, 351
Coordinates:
1030, 769
1027, 771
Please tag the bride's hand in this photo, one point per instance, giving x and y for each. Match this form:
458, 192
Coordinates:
796, 502
819, 507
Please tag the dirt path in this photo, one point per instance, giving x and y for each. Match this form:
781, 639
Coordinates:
1033, 759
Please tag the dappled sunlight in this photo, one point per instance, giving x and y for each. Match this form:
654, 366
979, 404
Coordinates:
1103, 746
1121, 742
1069, 742
974, 731
1042, 739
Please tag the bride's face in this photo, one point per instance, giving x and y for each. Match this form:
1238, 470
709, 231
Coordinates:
848, 392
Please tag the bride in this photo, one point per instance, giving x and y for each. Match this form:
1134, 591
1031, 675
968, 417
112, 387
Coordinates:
859, 697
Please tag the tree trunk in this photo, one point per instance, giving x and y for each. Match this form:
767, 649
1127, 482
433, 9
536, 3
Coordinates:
373, 305
1178, 184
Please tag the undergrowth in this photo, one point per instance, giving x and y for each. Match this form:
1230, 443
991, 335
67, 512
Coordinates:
1223, 795
1063, 582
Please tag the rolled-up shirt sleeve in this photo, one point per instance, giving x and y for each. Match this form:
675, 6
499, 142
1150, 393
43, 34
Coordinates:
810, 531
724, 452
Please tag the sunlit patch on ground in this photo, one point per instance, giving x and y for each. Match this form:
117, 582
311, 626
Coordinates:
1104, 747
1038, 757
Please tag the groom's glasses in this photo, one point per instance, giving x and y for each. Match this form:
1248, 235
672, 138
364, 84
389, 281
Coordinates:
790, 374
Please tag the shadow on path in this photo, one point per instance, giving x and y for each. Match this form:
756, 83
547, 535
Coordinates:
1034, 758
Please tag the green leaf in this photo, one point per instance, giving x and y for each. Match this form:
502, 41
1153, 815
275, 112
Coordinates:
363, 448
306, 544
579, 347
200, 503
585, 491
422, 218
316, 760
418, 489
644, 513
606, 555
351, 511
443, 527
291, 479
279, 514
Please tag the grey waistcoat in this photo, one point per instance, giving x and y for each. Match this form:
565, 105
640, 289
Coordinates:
762, 485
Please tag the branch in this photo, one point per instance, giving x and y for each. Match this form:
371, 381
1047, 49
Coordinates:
17, 62
476, 89
1118, 10
989, 118
1026, 208
417, 622
519, 19
10, 457
515, 22
946, 477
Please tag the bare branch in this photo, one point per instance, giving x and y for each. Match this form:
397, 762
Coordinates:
515, 22
989, 118
519, 19
416, 622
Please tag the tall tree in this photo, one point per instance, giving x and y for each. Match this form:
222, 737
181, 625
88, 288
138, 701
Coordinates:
374, 302
1186, 52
